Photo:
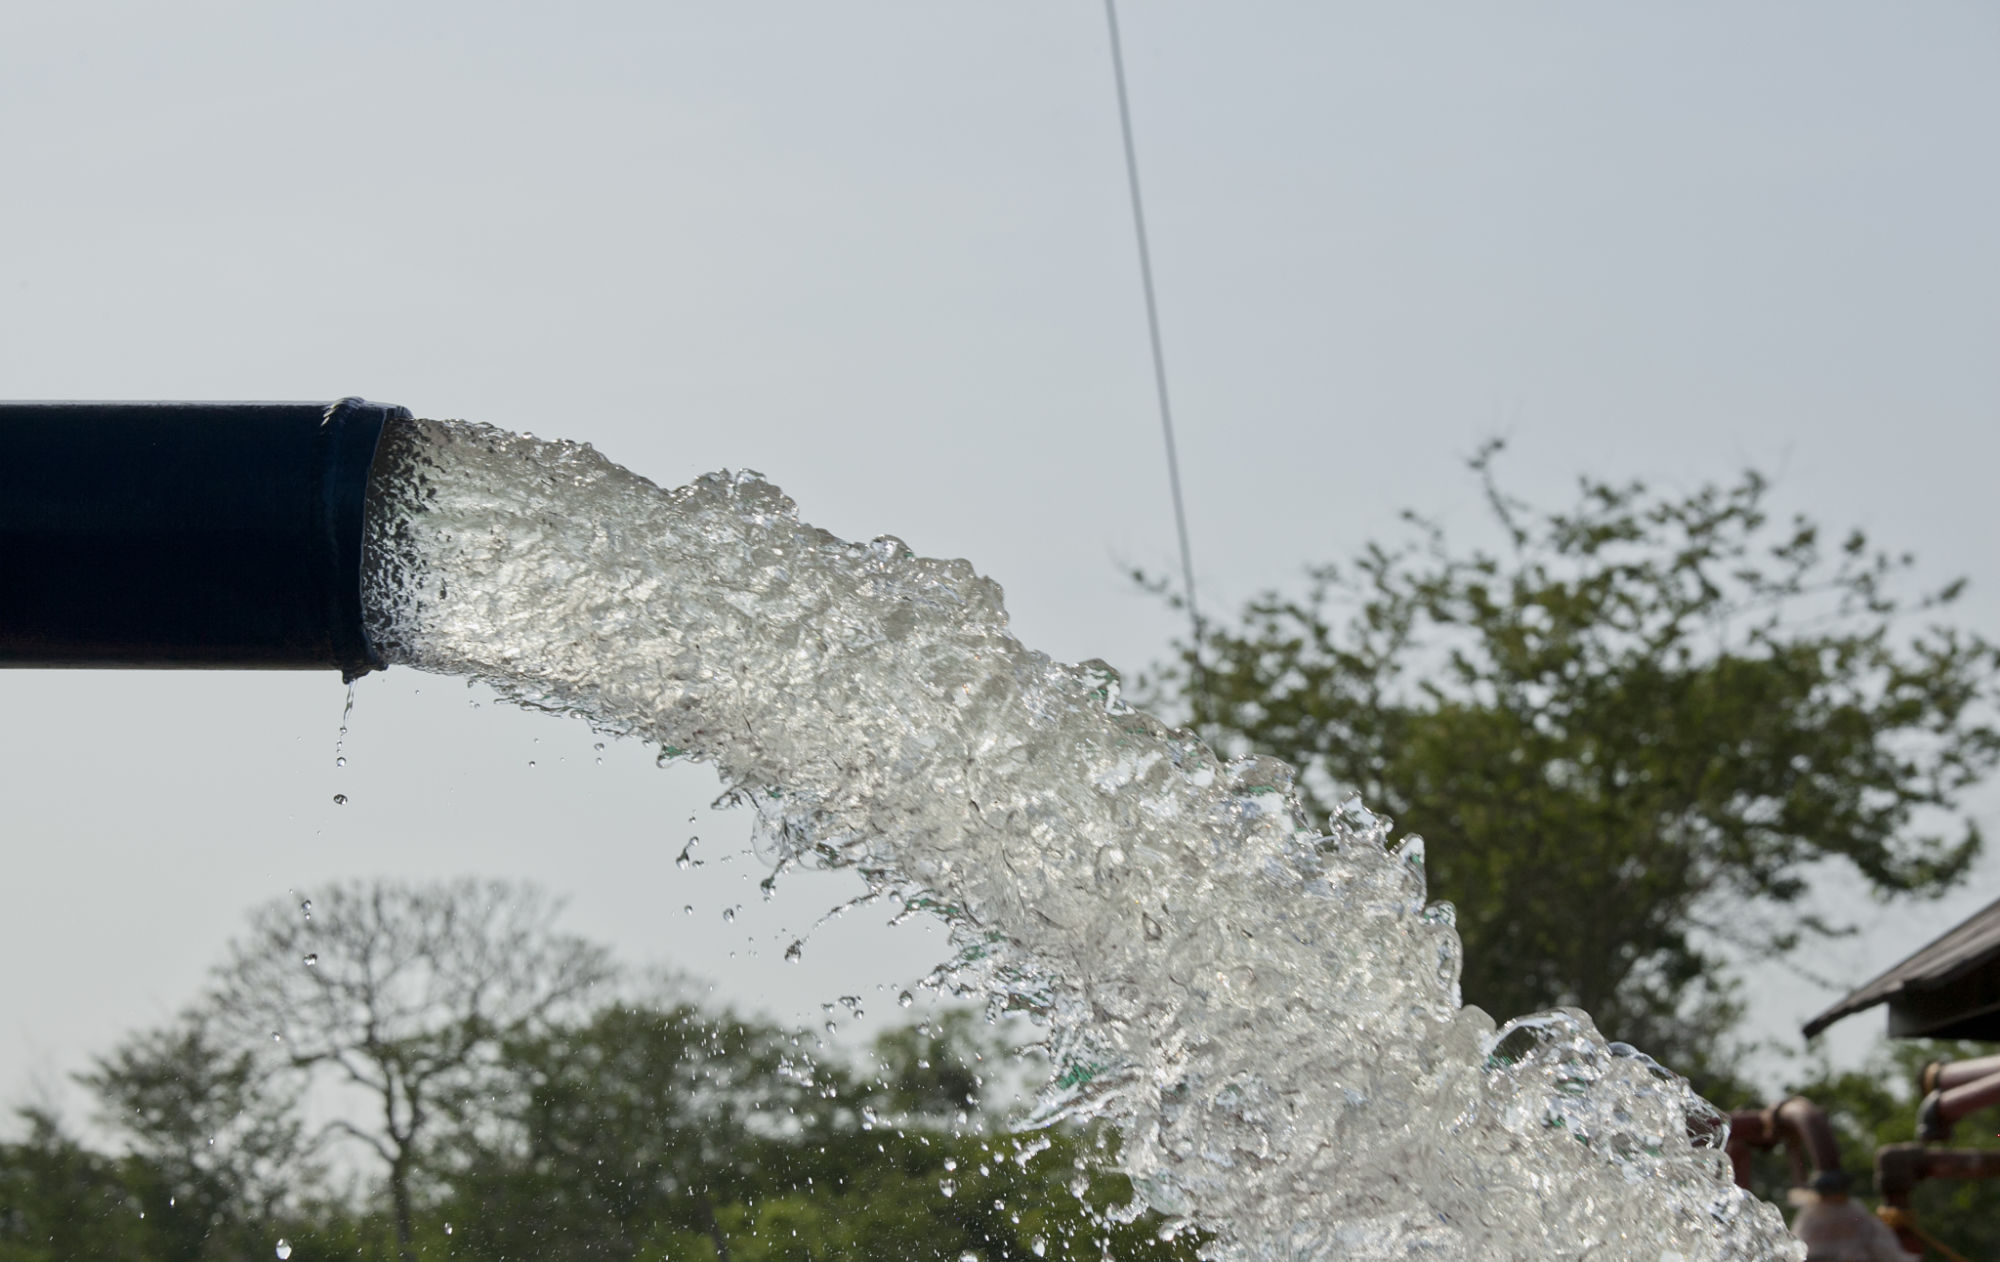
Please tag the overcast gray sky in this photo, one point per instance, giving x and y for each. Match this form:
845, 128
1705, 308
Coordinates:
882, 252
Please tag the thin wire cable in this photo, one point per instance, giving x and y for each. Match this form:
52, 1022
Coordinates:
1153, 332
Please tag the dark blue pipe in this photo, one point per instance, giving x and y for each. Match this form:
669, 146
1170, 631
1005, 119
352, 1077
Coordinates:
185, 534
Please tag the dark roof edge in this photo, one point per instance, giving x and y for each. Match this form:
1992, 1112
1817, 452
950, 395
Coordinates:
1866, 996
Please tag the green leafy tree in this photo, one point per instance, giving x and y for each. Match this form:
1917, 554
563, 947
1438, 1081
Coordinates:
403, 997
931, 1071
1628, 734
218, 1144
59, 1201
635, 1130
672, 1132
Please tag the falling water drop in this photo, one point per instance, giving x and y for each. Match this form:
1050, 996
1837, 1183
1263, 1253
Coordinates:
340, 799
795, 952
284, 1249
307, 908
905, 999
312, 959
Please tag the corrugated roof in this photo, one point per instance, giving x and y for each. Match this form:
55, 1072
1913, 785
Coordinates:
1971, 947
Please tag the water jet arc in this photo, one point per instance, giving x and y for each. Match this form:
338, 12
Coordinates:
209, 535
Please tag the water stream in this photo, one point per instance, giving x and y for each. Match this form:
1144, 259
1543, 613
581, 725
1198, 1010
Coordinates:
1268, 1011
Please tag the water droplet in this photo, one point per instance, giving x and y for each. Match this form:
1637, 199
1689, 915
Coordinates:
951, 1163
728, 914
277, 1037
340, 799
284, 1249
688, 910
340, 762
531, 764
1041, 1246
948, 1186
905, 999
447, 1229
307, 908
312, 960
795, 952
968, 1256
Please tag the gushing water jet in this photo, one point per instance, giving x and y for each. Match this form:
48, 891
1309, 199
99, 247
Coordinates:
1268, 1011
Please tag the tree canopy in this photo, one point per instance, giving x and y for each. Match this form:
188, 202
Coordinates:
516, 1103
1628, 733
403, 993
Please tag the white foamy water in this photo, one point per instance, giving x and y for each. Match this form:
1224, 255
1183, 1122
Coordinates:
1269, 1013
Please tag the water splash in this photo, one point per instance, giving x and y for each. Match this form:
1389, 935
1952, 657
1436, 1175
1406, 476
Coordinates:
1271, 1015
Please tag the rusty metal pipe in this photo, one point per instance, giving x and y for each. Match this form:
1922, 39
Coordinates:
1749, 1131
1799, 1124
1900, 1167
1942, 1075
1807, 1134
1942, 1109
